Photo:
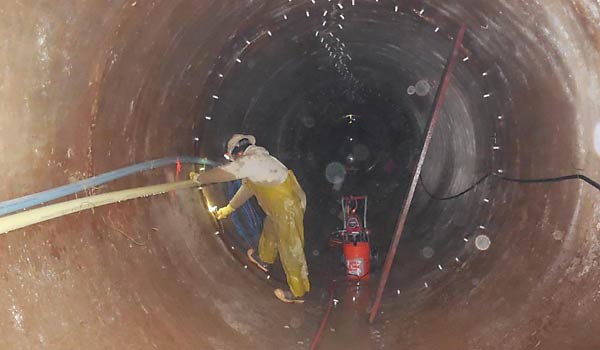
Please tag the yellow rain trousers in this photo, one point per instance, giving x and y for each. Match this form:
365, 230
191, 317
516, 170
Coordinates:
283, 230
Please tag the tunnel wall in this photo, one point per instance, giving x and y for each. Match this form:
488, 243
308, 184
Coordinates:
88, 87
543, 236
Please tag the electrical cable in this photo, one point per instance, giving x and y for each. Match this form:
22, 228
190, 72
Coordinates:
581, 177
469, 189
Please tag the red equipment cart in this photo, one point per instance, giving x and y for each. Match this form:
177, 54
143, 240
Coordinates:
355, 237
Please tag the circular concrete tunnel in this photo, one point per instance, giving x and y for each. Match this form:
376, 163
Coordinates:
88, 87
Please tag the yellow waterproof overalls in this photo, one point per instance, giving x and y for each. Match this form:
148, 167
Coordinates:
283, 230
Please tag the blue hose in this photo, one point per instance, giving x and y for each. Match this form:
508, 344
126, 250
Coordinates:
31, 200
247, 220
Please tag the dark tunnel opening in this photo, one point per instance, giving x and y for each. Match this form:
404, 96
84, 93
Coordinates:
339, 88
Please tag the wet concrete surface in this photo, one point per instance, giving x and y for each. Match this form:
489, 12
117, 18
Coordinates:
349, 319
87, 87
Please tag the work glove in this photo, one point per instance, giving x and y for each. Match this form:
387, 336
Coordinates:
224, 212
194, 176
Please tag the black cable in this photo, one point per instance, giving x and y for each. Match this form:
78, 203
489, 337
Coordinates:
584, 178
469, 189
591, 182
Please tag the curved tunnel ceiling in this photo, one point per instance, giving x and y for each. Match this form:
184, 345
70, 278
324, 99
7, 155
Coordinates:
89, 87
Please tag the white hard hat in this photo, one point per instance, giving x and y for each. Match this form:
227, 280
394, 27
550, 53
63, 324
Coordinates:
235, 139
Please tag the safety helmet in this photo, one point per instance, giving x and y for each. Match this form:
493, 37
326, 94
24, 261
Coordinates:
239, 142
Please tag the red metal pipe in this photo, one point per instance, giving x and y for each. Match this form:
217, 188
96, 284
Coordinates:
438, 103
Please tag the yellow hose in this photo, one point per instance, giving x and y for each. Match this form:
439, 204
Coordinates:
34, 216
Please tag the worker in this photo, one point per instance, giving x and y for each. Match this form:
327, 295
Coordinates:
282, 199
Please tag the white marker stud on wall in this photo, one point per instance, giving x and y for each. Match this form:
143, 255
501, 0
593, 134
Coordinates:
597, 138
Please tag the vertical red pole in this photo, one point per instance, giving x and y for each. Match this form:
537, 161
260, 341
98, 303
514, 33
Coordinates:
438, 103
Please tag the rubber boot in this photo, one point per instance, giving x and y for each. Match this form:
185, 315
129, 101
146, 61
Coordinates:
287, 297
256, 261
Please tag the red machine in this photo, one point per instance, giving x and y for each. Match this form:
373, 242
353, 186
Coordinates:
355, 237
